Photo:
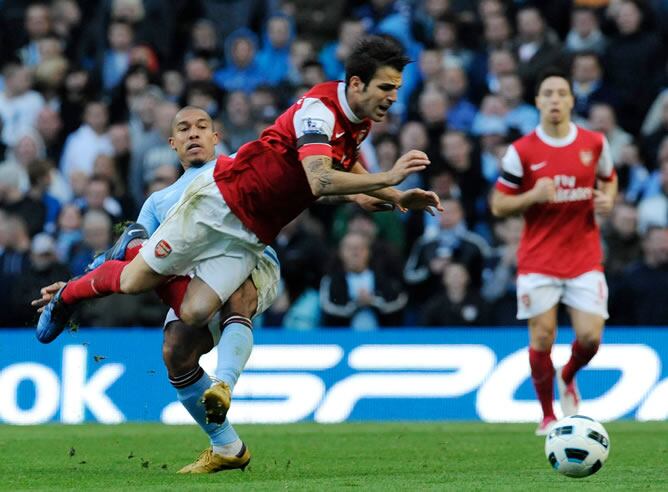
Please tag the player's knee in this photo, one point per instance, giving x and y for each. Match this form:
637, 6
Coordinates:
243, 301
542, 338
589, 340
195, 314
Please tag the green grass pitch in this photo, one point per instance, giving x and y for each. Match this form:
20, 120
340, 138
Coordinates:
389, 457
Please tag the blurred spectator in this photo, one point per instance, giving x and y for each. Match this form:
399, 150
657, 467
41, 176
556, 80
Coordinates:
520, 115
301, 51
652, 141
237, 120
44, 269
19, 105
634, 54
653, 211
162, 176
500, 62
38, 208
589, 86
79, 88
537, 47
461, 111
357, 294
333, 54
37, 25
316, 20
584, 34
198, 69
433, 108
453, 242
50, 127
602, 119
49, 78
69, 231
66, 19
153, 150
447, 41
632, 174
204, 43
174, 84
105, 167
274, 56
463, 162
641, 298
14, 260
116, 59
499, 285
243, 71
91, 139
98, 196
620, 239
458, 304
96, 228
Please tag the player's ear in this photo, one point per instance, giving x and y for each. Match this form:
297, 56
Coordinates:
216, 137
171, 143
356, 84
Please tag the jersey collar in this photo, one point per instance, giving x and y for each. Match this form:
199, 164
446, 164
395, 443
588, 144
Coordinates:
558, 142
343, 101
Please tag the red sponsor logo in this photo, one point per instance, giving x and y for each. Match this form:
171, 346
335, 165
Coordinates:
526, 300
162, 249
586, 157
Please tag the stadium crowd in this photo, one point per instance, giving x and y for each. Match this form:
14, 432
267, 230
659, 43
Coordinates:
88, 90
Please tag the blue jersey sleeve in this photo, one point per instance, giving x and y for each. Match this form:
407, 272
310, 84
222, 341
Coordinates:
148, 216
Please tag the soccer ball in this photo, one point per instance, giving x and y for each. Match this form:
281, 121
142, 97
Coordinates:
577, 446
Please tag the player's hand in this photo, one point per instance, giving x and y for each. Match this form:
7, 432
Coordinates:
603, 203
372, 204
47, 293
409, 163
544, 190
417, 199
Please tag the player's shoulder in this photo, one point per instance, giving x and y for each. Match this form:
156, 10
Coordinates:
526, 141
588, 134
323, 90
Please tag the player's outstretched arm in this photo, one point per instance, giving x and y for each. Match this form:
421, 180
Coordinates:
504, 204
324, 180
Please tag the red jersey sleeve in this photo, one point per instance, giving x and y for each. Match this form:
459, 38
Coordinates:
314, 125
512, 172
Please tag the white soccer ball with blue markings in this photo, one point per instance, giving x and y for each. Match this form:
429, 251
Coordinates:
577, 446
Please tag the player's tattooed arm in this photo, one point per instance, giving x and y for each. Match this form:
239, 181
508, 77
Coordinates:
325, 181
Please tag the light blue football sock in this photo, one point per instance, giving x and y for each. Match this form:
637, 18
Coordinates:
190, 396
234, 349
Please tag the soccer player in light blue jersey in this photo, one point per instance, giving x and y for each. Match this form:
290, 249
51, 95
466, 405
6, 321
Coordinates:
231, 329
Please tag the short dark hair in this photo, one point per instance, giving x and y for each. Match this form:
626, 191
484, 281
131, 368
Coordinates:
552, 72
372, 53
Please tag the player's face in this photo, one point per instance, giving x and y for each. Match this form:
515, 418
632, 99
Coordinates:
193, 137
375, 98
554, 101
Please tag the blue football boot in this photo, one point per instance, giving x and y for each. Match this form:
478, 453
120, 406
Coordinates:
53, 319
117, 251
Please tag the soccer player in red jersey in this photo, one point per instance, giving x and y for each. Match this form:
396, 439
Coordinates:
559, 176
233, 210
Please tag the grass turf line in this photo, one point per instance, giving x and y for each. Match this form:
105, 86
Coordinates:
388, 457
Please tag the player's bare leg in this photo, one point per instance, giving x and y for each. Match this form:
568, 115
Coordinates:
542, 332
200, 303
588, 329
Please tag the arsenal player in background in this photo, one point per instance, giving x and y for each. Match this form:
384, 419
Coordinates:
559, 176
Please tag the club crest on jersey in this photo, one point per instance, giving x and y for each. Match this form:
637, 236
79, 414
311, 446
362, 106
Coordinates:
586, 157
162, 249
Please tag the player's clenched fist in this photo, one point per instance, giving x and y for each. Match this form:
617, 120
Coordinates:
411, 162
544, 190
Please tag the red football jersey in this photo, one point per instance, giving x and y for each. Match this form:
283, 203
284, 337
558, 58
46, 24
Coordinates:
265, 184
560, 238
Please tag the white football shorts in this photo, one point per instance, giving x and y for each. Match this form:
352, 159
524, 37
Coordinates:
537, 293
201, 235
